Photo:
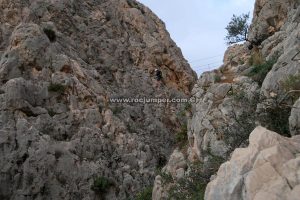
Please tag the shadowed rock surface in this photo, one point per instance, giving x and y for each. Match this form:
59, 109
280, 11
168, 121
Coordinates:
61, 62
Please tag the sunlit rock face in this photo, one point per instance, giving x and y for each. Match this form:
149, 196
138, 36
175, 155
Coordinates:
264, 169
61, 62
267, 168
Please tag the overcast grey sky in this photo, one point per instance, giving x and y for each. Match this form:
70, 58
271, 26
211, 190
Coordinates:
198, 26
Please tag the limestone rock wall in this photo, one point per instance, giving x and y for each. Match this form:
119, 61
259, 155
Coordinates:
61, 62
265, 168
225, 96
269, 17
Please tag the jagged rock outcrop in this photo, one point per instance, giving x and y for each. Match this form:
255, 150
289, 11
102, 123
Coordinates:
285, 46
61, 62
267, 169
222, 98
269, 17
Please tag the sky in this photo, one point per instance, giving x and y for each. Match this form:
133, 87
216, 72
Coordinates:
198, 27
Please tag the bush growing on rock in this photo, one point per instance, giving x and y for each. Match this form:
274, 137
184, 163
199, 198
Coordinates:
292, 87
59, 88
193, 185
237, 133
117, 110
165, 176
186, 108
217, 78
292, 83
255, 59
260, 71
101, 185
146, 194
276, 118
181, 136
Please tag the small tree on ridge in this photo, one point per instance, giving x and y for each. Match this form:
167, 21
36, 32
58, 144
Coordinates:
237, 29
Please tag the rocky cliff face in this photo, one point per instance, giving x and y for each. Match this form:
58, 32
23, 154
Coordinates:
249, 82
258, 84
61, 62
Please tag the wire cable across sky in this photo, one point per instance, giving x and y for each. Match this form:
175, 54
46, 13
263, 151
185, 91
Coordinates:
200, 66
207, 58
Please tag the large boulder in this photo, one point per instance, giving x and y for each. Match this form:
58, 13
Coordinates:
267, 168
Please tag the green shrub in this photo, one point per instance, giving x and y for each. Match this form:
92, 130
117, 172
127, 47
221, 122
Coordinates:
166, 178
193, 185
117, 110
241, 61
239, 95
292, 87
101, 185
217, 78
59, 88
131, 128
237, 133
186, 107
51, 112
181, 113
146, 194
181, 136
259, 72
188, 190
292, 83
256, 58
276, 118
